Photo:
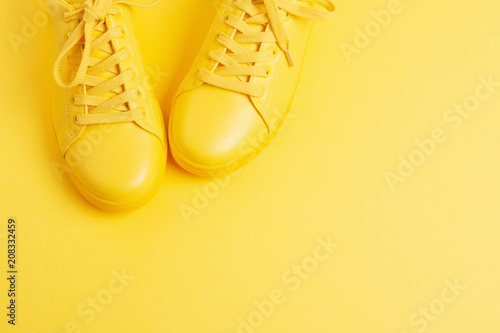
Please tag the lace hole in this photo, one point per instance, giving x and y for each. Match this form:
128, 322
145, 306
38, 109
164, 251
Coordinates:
139, 93
75, 119
124, 32
118, 13
275, 52
268, 72
262, 92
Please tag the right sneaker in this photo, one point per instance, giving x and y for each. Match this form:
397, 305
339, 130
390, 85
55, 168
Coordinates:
108, 123
240, 87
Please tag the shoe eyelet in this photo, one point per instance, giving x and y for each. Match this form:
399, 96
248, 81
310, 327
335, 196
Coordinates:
124, 32
118, 13
268, 71
275, 52
75, 119
139, 93
263, 92
134, 73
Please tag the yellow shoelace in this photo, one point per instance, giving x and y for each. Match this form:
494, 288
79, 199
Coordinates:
241, 63
100, 95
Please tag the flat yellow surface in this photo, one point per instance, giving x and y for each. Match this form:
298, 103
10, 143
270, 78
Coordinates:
414, 224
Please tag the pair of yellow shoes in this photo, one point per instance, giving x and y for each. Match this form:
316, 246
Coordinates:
109, 125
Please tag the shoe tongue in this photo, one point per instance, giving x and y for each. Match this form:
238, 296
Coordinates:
99, 54
77, 4
253, 47
102, 55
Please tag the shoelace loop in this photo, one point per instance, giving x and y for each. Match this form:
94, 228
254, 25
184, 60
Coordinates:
240, 62
91, 17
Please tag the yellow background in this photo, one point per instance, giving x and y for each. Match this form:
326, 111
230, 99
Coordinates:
323, 176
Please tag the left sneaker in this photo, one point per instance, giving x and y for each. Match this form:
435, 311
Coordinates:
108, 122
239, 90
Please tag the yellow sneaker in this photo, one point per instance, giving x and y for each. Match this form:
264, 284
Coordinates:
239, 90
108, 123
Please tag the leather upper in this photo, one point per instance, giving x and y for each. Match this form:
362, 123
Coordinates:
210, 126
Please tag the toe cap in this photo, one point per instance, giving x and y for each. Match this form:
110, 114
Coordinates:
117, 165
211, 127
